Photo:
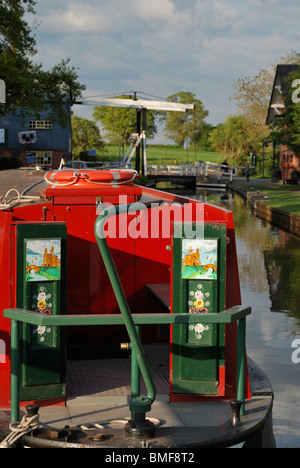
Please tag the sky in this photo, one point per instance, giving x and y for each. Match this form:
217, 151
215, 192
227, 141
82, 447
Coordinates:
161, 47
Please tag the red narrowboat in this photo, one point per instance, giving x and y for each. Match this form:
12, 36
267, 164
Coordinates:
94, 261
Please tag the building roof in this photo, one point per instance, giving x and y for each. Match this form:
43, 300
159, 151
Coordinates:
279, 91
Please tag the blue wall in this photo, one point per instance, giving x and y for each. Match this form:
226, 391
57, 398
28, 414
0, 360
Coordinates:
57, 138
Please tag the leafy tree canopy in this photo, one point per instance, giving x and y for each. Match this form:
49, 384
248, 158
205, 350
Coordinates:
30, 89
236, 137
15, 33
183, 126
120, 123
85, 135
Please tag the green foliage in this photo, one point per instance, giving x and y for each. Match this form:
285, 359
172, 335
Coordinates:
252, 95
85, 135
182, 127
120, 123
60, 88
30, 90
15, 34
201, 137
236, 137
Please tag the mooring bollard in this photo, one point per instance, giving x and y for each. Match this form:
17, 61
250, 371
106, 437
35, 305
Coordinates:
235, 412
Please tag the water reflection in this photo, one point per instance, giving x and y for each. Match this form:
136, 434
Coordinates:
283, 269
269, 269
264, 252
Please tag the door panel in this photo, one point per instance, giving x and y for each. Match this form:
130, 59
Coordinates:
41, 287
198, 288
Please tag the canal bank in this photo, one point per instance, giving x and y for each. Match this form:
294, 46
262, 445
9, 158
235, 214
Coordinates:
258, 199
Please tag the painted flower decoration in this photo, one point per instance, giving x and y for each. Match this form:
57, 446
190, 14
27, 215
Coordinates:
41, 330
199, 304
199, 295
199, 328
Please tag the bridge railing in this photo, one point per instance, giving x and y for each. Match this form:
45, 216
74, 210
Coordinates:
204, 168
182, 170
220, 170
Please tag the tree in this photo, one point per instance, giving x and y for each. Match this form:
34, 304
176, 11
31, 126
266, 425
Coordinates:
85, 135
235, 138
61, 88
15, 34
17, 45
252, 94
30, 90
181, 127
201, 137
120, 123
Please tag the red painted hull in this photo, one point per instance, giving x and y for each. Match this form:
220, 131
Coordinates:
140, 260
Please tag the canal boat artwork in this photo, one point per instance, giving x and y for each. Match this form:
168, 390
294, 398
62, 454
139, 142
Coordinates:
269, 269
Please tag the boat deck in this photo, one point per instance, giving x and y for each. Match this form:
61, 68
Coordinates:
98, 398
101, 388
105, 378
20, 180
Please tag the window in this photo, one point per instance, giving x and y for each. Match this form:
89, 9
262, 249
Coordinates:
40, 124
3, 136
42, 158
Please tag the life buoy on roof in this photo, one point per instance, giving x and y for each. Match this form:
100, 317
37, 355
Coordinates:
65, 178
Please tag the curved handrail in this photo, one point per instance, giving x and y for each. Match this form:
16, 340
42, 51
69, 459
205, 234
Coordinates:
138, 404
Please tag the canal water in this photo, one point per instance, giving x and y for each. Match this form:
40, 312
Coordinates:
269, 268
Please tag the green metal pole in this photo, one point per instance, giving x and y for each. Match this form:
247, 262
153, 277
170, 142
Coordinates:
241, 361
138, 404
15, 383
135, 372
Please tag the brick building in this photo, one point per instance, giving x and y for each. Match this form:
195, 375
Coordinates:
288, 160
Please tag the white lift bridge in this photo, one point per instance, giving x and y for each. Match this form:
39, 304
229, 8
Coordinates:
141, 106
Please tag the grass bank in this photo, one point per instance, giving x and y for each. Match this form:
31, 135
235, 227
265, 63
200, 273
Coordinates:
281, 197
164, 154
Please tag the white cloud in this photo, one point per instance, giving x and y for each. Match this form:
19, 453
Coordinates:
164, 46
74, 17
154, 10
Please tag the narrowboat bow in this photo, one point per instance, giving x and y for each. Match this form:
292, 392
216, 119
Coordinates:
96, 261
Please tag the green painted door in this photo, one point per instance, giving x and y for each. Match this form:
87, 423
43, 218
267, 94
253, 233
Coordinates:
198, 287
41, 287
